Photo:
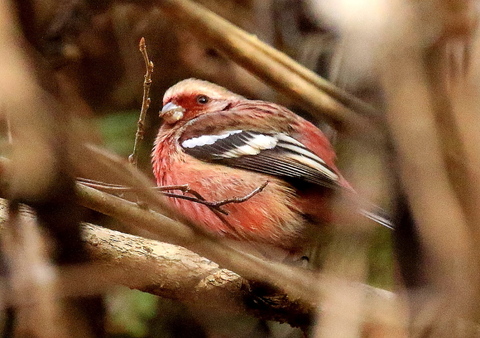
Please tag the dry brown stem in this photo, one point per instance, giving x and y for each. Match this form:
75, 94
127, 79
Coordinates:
184, 188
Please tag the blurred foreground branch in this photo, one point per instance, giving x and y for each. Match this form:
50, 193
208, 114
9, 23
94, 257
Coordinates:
434, 169
310, 91
381, 307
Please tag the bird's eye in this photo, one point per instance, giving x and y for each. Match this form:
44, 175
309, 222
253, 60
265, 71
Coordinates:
203, 99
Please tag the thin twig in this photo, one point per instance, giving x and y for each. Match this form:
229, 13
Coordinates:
123, 188
244, 198
118, 188
184, 188
197, 200
103, 185
147, 83
217, 205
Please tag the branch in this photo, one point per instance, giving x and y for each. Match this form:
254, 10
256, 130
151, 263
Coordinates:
215, 206
174, 272
424, 131
174, 232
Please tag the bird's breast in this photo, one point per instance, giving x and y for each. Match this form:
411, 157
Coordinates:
269, 216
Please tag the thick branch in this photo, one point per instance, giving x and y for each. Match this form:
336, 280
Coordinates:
174, 272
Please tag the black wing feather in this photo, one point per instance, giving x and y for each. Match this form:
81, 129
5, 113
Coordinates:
272, 161
267, 163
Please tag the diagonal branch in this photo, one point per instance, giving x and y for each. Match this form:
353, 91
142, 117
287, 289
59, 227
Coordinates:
311, 92
164, 228
174, 272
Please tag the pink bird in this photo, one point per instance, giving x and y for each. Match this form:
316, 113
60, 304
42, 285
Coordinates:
224, 146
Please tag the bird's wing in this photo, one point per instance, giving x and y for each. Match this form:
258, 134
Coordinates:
277, 154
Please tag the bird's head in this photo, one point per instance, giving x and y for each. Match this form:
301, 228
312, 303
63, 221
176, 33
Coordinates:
191, 98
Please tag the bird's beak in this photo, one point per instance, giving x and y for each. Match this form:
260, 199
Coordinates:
171, 113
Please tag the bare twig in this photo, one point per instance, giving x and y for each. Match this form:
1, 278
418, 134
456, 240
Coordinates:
217, 205
242, 199
147, 83
117, 188
184, 188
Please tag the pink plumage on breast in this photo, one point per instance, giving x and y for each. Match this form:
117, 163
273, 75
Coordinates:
271, 216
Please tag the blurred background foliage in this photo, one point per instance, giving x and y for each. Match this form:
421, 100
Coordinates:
118, 131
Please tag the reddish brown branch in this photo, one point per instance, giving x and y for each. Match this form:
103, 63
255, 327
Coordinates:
215, 205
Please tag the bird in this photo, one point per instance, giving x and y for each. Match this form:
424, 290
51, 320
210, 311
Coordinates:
225, 146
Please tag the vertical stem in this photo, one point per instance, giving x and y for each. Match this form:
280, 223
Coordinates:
147, 83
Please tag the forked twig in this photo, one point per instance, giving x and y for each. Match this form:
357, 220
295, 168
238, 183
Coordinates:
217, 205
197, 198
244, 198
147, 83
